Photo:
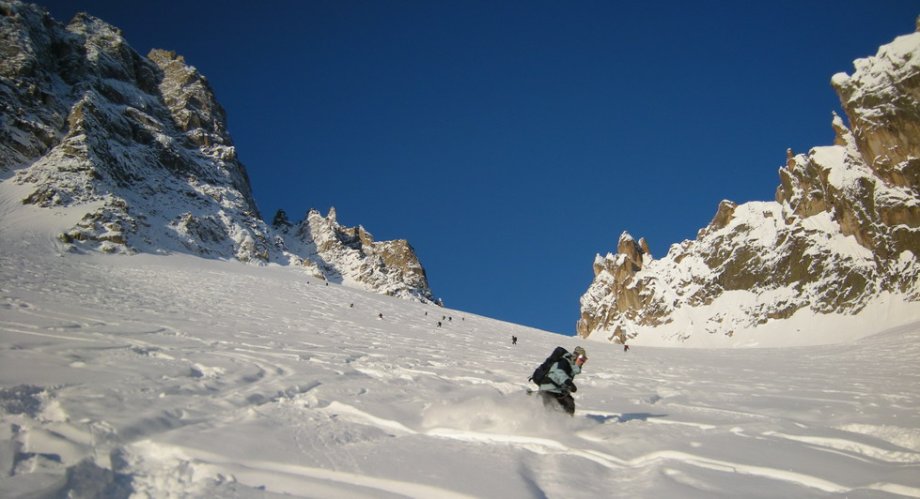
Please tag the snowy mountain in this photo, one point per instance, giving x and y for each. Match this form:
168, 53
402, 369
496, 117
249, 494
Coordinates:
141, 145
173, 376
166, 375
841, 239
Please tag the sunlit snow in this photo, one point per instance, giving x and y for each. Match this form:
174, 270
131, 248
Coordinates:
176, 376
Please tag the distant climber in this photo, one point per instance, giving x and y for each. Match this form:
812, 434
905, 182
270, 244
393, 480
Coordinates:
514, 340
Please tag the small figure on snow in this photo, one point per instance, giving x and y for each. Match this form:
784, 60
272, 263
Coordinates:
558, 384
514, 340
625, 347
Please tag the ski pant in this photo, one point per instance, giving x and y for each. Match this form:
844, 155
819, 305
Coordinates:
556, 400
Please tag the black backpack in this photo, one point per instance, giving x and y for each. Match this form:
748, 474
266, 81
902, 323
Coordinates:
539, 374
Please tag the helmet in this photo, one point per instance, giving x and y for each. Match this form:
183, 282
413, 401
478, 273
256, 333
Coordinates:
579, 351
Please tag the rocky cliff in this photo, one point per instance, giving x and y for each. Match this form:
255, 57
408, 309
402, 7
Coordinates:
350, 254
844, 229
142, 144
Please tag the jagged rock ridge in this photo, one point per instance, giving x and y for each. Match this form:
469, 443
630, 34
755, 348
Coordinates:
142, 144
844, 228
342, 254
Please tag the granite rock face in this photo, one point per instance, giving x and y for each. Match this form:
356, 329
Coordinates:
142, 145
350, 254
843, 229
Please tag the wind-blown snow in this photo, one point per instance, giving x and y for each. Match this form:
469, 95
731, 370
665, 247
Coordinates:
176, 376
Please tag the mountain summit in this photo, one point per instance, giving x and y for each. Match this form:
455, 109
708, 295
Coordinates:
142, 145
843, 232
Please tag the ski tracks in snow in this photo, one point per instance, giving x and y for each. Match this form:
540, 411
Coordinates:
213, 380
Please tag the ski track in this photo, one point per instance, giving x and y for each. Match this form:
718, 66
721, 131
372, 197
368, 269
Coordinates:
172, 375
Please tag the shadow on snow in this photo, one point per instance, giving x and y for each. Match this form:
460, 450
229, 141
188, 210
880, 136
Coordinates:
624, 418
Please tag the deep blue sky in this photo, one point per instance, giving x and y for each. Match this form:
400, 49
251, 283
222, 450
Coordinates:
511, 141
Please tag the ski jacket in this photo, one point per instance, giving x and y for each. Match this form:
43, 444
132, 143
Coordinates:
563, 370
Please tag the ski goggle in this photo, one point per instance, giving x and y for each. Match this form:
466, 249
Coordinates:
581, 358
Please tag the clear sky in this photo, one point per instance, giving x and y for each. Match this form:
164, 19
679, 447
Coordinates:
511, 141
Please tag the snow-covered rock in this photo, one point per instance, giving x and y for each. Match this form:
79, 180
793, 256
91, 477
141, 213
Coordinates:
350, 254
142, 144
843, 232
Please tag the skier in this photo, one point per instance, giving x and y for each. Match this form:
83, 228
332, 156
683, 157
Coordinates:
558, 385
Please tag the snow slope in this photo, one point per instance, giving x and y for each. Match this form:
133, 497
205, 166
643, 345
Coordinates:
177, 376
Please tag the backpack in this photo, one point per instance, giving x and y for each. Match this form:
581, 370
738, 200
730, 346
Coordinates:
539, 374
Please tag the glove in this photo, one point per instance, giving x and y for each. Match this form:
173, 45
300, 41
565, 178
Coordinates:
571, 386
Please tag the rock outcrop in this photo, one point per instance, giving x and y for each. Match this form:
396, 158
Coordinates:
350, 254
143, 145
844, 228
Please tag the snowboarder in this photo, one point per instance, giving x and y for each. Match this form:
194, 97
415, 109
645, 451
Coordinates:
558, 385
